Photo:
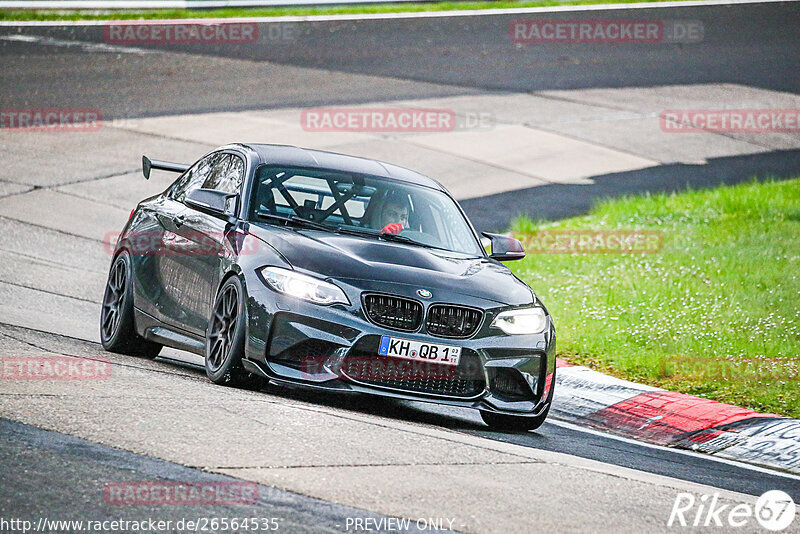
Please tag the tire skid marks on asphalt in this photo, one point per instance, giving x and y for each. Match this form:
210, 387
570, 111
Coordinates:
85, 46
86, 350
8, 188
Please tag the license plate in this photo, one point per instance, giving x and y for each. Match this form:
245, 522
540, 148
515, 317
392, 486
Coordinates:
419, 351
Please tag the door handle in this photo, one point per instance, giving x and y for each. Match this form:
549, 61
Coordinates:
178, 220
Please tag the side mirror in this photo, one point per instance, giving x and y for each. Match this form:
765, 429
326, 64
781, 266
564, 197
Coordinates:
213, 202
505, 248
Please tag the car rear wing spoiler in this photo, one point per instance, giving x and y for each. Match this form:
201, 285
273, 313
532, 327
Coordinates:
148, 164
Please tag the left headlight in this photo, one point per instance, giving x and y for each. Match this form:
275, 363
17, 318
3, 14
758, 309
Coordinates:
302, 286
521, 321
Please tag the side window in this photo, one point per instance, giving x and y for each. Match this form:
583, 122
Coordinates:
194, 177
223, 172
226, 175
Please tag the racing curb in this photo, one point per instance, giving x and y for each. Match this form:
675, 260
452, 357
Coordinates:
662, 417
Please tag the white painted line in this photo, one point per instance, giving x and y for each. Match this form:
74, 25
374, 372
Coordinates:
685, 452
383, 16
83, 45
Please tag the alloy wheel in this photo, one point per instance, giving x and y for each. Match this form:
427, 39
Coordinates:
223, 327
114, 299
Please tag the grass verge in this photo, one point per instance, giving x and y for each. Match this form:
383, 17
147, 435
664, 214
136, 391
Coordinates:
21, 15
714, 313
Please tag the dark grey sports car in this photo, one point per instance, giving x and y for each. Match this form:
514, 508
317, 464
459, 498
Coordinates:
330, 271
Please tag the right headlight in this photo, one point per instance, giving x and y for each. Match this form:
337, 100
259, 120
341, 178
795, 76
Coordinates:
521, 321
303, 287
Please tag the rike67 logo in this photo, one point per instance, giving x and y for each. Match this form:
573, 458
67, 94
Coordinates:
774, 510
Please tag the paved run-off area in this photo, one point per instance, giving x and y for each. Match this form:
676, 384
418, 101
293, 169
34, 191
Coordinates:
547, 153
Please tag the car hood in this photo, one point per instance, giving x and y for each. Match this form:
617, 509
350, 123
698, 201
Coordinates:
378, 263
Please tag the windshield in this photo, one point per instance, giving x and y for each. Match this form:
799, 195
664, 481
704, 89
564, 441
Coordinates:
366, 205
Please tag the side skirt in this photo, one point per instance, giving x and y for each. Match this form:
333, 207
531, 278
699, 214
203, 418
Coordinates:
152, 329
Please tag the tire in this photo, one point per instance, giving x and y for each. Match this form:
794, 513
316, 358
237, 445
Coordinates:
225, 338
117, 326
518, 423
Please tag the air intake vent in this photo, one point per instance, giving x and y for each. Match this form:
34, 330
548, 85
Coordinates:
445, 320
465, 380
397, 313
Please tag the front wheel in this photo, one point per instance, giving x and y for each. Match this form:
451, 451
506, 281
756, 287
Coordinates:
225, 337
117, 328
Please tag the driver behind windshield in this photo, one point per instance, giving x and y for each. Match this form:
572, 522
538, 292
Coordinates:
393, 217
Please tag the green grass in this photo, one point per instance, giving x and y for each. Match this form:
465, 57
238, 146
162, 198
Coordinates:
715, 313
19, 14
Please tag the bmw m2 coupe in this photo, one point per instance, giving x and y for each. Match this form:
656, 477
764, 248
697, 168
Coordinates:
329, 271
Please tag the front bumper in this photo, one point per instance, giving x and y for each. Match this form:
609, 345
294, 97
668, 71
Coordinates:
295, 342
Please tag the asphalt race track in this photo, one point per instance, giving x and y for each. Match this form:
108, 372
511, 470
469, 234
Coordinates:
327, 63
320, 460
165, 408
754, 45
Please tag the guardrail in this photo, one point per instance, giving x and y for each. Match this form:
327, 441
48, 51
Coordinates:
175, 4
